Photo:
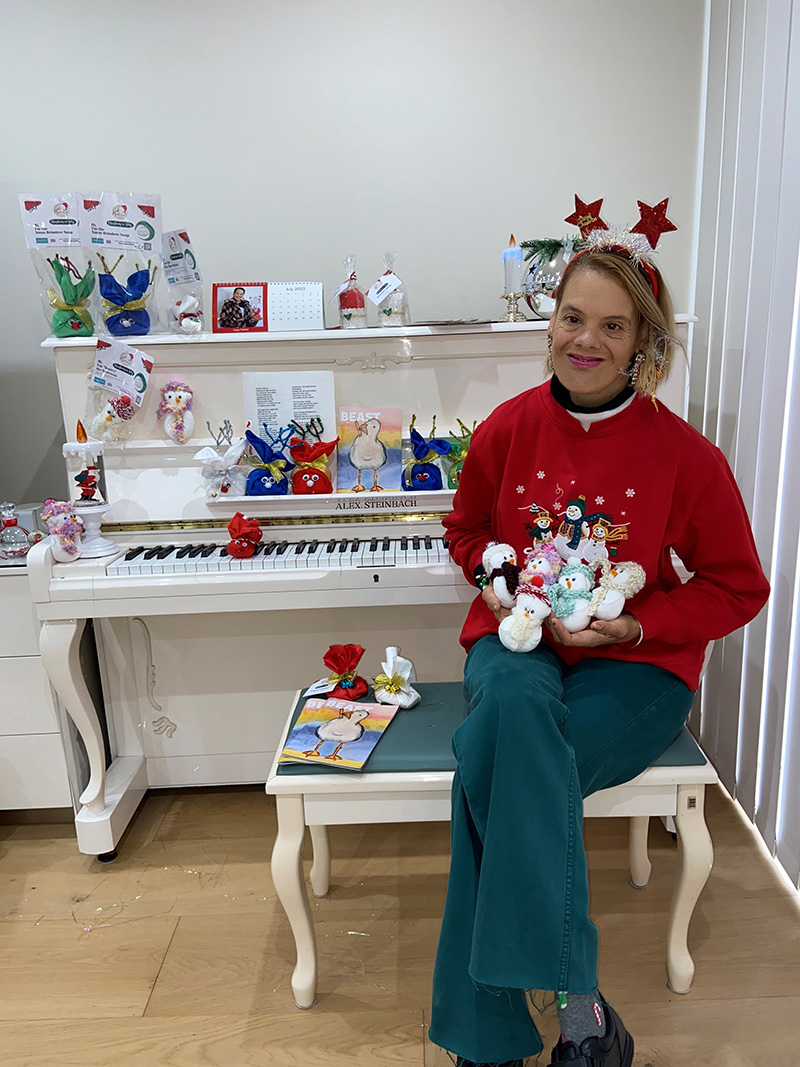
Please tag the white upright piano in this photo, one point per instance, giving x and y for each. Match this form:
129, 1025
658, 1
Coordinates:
200, 654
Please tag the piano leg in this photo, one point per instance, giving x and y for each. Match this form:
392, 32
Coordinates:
321, 866
59, 644
287, 877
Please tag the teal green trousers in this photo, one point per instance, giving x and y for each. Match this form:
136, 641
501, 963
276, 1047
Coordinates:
539, 737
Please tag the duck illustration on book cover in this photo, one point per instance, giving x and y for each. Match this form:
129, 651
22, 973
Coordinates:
336, 733
370, 449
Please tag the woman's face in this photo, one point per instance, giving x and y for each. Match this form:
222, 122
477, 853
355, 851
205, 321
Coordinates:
238, 295
595, 333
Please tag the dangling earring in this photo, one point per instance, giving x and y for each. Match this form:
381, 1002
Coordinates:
550, 365
635, 368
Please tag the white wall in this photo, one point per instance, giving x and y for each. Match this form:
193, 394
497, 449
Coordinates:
285, 135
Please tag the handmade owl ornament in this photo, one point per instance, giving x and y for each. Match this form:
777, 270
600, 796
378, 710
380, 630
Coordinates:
572, 594
617, 583
500, 563
521, 631
111, 423
393, 684
176, 411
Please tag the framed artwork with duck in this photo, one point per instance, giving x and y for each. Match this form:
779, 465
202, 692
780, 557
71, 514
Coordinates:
370, 450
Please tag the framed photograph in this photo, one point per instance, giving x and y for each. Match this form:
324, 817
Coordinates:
239, 307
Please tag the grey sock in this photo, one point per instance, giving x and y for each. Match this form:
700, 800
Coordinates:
580, 1015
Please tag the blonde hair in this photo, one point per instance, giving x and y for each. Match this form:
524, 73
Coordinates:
656, 315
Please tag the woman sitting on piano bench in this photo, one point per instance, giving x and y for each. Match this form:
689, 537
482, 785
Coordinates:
588, 710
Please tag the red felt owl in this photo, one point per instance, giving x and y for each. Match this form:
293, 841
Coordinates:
245, 535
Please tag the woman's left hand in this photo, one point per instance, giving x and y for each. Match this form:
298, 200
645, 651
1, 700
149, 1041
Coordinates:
599, 633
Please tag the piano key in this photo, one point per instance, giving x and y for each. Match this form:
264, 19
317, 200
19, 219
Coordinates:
404, 543
312, 548
196, 551
343, 545
270, 548
300, 546
282, 547
208, 550
387, 543
151, 552
134, 552
183, 552
165, 552
428, 543
331, 545
415, 544
373, 545
354, 544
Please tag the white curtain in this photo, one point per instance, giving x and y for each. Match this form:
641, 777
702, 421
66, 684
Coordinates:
745, 391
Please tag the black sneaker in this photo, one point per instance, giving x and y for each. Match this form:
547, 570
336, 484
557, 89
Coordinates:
613, 1049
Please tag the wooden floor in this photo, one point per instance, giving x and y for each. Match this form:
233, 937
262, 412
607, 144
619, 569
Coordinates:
178, 955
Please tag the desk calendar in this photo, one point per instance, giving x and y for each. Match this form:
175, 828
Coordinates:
239, 307
295, 306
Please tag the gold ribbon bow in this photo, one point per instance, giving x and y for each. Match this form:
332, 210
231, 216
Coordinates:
320, 464
79, 307
345, 676
275, 468
394, 684
110, 308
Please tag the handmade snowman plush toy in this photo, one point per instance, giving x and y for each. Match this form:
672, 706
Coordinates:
543, 561
572, 594
521, 631
111, 423
618, 582
500, 563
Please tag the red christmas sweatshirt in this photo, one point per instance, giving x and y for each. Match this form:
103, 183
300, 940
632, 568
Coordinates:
652, 482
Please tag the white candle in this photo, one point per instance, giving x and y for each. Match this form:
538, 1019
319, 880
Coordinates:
512, 267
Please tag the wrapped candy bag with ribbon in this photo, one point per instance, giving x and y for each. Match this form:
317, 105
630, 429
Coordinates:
71, 317
313, 473
268, 476
393, 684
422, 471
245, 535
125, 306
341, 661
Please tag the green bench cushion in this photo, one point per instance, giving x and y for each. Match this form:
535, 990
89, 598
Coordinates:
419, 739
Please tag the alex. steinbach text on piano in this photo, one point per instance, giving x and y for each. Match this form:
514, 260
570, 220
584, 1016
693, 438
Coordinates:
394, 503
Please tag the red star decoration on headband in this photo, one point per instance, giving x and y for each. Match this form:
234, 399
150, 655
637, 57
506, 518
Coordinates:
653, 221
586, 216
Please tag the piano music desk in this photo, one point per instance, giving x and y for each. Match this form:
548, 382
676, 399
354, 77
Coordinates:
409, 779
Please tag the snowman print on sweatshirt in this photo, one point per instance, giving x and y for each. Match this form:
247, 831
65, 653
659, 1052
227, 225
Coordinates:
591, 537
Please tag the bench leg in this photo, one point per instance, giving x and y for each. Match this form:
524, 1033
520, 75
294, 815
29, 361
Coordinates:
638, 859
321, 866
695, 859
287, 876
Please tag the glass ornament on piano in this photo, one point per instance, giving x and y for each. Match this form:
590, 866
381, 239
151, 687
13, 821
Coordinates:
268, 476
422, 471
15, 540
223, 474
548, 259
313, 473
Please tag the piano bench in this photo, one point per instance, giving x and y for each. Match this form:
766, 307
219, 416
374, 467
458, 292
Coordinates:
409, 778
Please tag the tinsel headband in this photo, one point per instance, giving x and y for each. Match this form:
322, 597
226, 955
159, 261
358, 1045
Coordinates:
634, 244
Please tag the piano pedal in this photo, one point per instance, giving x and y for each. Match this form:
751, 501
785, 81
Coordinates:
107, 857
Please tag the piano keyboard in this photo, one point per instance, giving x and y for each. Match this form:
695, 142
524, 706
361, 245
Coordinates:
333, 554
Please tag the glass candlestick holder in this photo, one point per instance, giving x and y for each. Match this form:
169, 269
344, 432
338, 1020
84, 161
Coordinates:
513, 314
86, 472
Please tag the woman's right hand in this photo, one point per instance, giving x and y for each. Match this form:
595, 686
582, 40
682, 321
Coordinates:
493, 604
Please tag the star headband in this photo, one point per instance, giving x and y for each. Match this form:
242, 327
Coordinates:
635, 244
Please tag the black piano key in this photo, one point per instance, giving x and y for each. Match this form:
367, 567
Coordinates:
166, 552
134, 552
428, 543
260, 548
152, 552
197, 551
386, 544
282, 547
415, 543
445, 543
223, 552
343, 545
404, 544
270, 548
354, 544
208, 550
373, 545
312, 548
300, 546
331, 545
185, 551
